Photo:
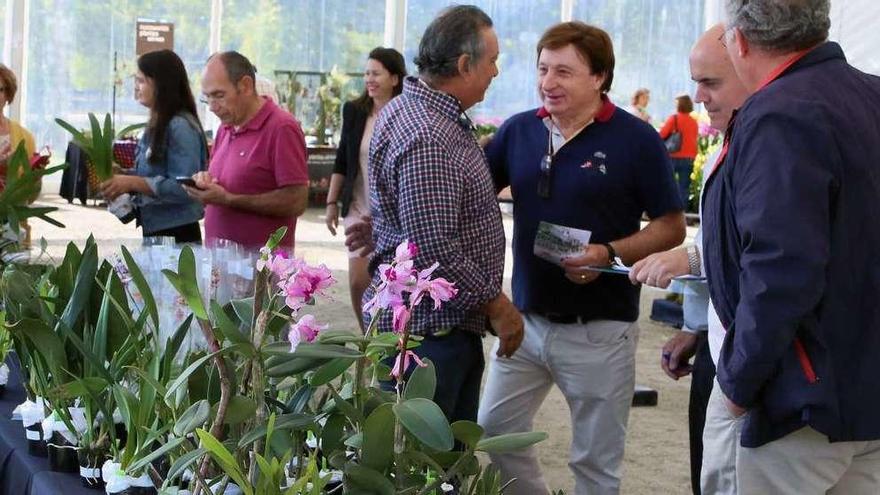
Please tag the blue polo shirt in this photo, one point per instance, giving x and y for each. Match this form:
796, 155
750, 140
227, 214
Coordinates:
603, 179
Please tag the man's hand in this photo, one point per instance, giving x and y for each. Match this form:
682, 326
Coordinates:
331, 217
677, 352
735, 410
507, 323
658, 269
208, 190
577, 267
359, 236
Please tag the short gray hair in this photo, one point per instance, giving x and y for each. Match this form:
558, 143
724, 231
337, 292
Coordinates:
237, 66
781, 26
455, 32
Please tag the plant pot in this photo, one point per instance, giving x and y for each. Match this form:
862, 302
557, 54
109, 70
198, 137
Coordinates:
136, 490
62, 455
118, 483
90, 468
36, 444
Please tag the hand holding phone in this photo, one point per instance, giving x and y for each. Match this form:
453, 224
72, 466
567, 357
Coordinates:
186, 181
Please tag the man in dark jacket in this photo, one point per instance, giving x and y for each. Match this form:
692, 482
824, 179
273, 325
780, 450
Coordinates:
792, 253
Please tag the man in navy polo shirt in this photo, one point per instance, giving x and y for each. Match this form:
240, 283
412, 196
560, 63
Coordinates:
577, 162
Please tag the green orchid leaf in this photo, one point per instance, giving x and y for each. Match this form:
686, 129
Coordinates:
225, 459
425, 421
377, 450
510, 441
422, 382
194, 417
467, 432
330, 370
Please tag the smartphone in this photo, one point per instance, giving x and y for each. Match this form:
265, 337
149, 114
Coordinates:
186, 181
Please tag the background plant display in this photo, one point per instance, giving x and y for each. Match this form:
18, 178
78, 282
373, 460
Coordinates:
277, 404
708, 140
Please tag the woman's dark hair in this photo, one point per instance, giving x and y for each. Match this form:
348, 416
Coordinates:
171, 96
393, 62
684, 104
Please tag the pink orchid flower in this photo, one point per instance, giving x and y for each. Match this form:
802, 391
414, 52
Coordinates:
405, 251
304, 330
304, 284
439, 289
406, 356
402, 315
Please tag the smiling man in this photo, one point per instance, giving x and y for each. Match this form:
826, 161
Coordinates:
578, 162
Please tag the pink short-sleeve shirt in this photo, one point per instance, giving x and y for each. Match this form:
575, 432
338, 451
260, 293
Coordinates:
267, 153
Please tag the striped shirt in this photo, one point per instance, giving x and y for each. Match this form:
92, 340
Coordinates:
430, 183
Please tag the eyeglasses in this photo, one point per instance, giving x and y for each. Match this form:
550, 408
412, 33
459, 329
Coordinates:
217, 96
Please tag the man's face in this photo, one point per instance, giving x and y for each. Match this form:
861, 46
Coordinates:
224, 98
718, 87
566, 83
485, 69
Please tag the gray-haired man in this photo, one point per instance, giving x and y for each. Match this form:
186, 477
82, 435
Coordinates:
430, 184
791, 242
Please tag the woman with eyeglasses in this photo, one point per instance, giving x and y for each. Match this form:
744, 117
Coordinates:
172, 146
11, 132
349, 185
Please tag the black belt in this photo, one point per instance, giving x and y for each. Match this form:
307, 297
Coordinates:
564, 319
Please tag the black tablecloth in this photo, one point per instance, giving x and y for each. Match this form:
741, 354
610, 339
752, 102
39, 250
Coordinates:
21, 473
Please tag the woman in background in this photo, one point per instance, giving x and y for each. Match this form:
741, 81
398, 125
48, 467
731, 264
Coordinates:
683, 158
349, 185
173, 145
11, 132
639, 104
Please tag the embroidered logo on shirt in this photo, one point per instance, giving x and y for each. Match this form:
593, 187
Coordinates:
598, 164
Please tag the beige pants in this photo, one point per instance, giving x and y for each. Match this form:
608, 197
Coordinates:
720, 447
806, 463
594, 367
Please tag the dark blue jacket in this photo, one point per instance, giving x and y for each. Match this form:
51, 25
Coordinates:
792, 252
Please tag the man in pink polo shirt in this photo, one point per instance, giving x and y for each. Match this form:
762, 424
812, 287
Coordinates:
258, 179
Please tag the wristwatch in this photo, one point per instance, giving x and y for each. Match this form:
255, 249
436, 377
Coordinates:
611, 252
694, 266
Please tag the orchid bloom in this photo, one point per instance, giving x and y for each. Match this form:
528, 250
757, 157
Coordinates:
439, 289
405, 251
401, 318
304, 284
304, 330
406, 356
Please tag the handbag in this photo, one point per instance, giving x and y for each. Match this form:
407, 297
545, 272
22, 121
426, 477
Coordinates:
673, 141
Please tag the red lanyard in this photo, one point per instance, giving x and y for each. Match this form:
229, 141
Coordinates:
774, 75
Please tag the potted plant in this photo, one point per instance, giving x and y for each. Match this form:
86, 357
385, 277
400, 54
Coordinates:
97, 144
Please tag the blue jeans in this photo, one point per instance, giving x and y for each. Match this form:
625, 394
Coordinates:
458, 359
682, 167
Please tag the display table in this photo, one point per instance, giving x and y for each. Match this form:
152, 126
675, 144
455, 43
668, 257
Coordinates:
20, 472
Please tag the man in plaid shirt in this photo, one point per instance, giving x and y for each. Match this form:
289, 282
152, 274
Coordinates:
430, 184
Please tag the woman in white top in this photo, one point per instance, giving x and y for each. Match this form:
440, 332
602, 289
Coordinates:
639, 104
349, 185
